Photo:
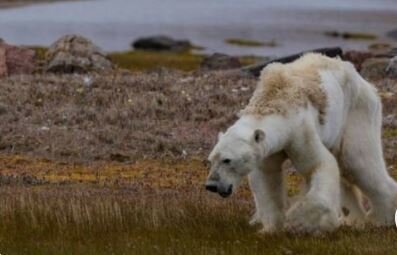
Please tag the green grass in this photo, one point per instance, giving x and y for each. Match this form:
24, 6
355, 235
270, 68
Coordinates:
249, 43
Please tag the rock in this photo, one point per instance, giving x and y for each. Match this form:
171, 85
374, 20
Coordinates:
75, 54
391, 69
375, 68
219, 61
357, 57
392, 34
16, 60
256, 69
161, 43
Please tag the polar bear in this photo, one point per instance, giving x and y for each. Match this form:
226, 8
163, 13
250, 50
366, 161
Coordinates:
323, 116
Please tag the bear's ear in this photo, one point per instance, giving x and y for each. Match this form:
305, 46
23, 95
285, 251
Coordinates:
259, 136
220, 134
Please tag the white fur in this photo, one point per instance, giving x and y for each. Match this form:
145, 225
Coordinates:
347, 144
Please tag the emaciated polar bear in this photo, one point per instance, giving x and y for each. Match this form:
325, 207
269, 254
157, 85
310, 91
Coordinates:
323, 116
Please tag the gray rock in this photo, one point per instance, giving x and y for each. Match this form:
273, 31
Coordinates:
391, 69
374, 68
219, 61
392, 34
161, 43
75, 54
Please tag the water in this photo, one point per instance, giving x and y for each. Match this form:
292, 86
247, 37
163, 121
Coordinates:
114, 24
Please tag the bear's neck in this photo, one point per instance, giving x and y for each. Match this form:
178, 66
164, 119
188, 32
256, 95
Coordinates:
277, 131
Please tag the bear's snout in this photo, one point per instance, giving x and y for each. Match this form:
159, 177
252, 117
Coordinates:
226, 192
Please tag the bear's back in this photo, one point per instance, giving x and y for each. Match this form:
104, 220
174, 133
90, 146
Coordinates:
286, 87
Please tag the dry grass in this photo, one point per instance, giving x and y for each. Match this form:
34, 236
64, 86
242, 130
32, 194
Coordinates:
80, 219
148, 207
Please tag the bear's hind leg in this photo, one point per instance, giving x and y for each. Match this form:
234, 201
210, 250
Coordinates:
362, 158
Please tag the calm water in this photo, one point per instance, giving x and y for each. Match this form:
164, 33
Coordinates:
113, 24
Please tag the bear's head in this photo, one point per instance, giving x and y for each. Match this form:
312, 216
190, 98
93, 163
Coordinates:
236, 154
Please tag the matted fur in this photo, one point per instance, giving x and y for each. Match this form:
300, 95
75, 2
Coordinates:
283, 87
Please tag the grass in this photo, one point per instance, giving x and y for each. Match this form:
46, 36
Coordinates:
351, 35
147, 207
390, 133
146, 60
250, 43
143, 60
81, 220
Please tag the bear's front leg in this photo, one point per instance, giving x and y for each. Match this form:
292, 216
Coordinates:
267, 185
318, 211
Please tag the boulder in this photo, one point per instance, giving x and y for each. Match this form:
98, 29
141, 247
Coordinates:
219, 61
16, 60
75, 54
375, 68
161, 43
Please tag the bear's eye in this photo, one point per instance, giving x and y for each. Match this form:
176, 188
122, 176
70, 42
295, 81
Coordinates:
226, 161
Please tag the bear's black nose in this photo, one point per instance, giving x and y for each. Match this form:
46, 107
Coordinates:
211, 187
226, 193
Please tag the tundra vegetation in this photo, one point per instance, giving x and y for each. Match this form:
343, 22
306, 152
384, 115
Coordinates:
114, 163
